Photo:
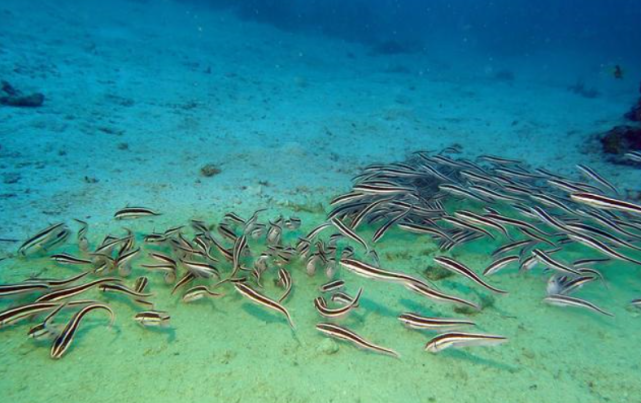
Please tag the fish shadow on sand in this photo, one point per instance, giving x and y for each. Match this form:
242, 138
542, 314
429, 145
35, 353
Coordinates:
265, 316
270, 318
168, 331
370, 305
417, 307
465, 355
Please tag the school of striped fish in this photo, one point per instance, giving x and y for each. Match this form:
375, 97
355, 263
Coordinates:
536, 215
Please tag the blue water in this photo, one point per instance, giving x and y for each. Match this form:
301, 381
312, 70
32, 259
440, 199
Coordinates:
199, 108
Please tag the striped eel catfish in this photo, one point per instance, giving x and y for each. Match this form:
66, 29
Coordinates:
62, 343
459, 339
7, 290
325, 311
416, 321
64, 293
134, 212
343, 333
42, 237
261, 299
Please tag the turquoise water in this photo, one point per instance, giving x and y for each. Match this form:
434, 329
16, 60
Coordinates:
196, 109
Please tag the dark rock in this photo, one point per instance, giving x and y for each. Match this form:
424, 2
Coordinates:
580, 89
11, 178
210, 170
621, 139
8, 89
10, 96
27, 101
634, 114
436, 273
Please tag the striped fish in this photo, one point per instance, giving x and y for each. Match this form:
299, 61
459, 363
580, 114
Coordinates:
124, 290
425, 290
633, 156
199, 292
545, 258
416, 321
134, 212
460, 268
368, 271
14, 315
343, 333
64, 293
592, 174
7, 290
41, 237
342, 298
239, 246
332, 285
153, 318
62, 343
201, 270
566, 300
284, 280
497, 265
65, 258
382, 189
184, 280
44, 330
604, 202
324, 310
261, 299
57, 282
458, 339
346, 231
601, 247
